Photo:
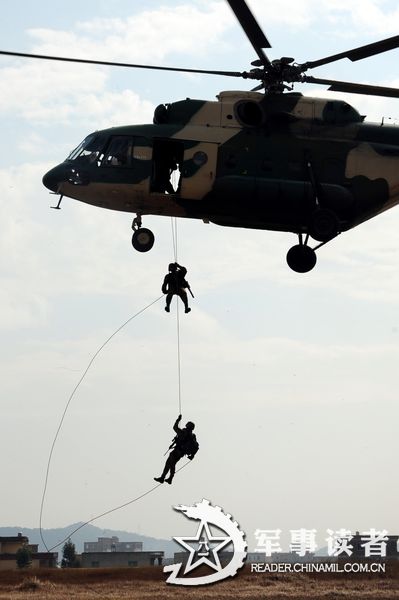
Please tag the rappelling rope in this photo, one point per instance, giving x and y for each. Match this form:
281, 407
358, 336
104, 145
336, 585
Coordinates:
66, 409
174, 238
178, 355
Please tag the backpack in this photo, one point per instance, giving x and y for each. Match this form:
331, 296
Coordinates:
188, 444
191, 446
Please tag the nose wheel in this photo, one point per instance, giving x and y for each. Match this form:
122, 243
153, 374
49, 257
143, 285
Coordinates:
143, 239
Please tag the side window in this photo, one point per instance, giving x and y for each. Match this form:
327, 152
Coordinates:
118, 152
132, 563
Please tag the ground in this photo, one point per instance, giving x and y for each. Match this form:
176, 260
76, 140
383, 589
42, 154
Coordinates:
149, 582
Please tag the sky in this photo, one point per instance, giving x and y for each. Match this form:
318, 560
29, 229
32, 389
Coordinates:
290, 379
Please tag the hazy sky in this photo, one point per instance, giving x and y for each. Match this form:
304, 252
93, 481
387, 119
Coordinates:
291, 379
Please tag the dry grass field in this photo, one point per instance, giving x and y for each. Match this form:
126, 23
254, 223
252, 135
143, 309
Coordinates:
149, 583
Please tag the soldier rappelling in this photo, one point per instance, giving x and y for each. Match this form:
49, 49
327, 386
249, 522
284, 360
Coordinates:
176, 284
184, 443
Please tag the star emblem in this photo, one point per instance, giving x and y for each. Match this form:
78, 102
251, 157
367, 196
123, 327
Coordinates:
203, 539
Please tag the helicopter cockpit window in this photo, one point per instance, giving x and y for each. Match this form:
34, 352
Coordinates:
119, 152
90, 149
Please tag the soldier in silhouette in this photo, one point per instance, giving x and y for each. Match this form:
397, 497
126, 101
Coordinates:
175, 283
184, 443
165, 164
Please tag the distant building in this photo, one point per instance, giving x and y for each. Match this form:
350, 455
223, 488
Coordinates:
290, 557
256, 557
120, 559
252, 557
112, 544
9, 547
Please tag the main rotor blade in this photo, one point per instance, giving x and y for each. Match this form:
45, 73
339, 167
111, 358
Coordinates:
354, 88
251, 28
357, 53
119, 64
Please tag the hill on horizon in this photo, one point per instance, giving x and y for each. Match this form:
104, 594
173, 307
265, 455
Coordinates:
88, 533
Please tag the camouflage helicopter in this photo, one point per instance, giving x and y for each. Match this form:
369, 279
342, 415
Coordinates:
268, 159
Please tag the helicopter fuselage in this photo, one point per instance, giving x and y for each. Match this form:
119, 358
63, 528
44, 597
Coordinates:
246, 160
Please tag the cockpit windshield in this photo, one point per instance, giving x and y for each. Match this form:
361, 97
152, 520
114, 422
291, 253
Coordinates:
90, 148
103, 150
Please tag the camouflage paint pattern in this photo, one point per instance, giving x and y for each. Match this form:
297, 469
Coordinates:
246, 160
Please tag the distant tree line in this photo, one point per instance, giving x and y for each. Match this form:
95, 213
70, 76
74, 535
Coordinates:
69, 558
23, 557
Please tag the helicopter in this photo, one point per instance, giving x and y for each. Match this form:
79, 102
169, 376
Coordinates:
269, 159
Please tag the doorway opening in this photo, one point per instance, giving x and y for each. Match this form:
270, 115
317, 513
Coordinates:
167, 160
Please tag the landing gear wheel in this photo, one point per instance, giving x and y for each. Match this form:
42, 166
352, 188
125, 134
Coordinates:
143, 239
301, 258
323, 225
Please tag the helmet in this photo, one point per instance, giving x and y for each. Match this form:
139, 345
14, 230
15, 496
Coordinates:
190, 425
